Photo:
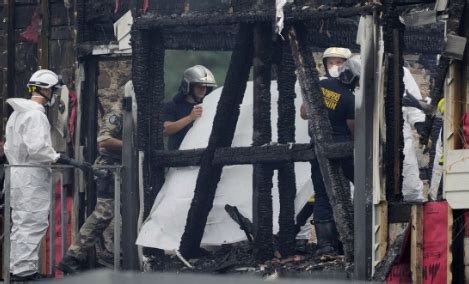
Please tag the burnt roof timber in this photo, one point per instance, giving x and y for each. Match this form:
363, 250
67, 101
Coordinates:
150, 21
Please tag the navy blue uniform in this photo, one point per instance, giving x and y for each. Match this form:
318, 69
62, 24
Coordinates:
174, 110
340, 103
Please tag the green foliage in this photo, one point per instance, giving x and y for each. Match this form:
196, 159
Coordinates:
176, 61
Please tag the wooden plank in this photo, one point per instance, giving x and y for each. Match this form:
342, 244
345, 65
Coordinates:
416, 247
382, 231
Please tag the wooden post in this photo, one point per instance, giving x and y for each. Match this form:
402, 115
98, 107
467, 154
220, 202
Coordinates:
43, 44
91, 119
262, 134
286, 134
397, 113
416, 247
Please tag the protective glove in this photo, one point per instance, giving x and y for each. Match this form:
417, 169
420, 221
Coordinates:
410, 101
82, 165
419, 126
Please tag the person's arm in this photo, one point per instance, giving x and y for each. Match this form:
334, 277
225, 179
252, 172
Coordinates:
350, 114
351, 126
111, 144
303, 113
172, 127
37, 138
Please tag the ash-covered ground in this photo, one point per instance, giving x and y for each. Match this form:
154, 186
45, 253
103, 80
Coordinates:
238, 259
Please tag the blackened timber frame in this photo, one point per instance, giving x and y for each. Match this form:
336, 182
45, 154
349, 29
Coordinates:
225, 122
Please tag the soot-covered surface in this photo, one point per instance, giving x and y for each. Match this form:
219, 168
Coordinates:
238, 259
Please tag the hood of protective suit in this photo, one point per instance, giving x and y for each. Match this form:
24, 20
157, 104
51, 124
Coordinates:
24, 105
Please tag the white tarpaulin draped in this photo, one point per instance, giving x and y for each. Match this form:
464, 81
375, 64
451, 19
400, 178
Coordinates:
165, 225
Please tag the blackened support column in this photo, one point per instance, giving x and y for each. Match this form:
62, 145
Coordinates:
148, 76
262, 134
286, 134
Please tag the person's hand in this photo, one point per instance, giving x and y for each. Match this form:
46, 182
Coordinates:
196, 112
410, 101
84, 166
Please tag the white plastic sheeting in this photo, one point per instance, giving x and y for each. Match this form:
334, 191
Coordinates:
165, 225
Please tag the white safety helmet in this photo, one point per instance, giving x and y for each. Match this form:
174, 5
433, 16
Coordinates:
335, 52
198, 74
338, 52
43, 79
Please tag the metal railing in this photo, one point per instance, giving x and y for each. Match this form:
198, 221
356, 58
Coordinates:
57, 170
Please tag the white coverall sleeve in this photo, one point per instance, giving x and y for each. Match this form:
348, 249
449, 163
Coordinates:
37, 138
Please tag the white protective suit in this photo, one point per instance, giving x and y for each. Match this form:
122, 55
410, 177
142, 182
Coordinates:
437, 170
28, 142
412, 185
165, 224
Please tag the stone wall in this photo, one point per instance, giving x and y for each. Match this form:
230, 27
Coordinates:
113, 74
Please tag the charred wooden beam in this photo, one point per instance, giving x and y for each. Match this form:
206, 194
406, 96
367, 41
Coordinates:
43, 44
286, 134
223, 129
393, 32
334, 179
90, 135
268, 154
292, 14
148, 47
219, 37
385, 266
264, 154
262, 134
141, 46
399, 212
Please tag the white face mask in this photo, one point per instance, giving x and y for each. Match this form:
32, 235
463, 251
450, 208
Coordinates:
334, 71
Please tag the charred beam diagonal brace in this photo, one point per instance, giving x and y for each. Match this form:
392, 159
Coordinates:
334, 179
262, 134
270, 154
224, 126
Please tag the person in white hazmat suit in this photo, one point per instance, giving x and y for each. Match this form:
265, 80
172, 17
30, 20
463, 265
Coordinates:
28, 142
412, 185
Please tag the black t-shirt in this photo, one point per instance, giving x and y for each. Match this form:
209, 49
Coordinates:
174, 110
340, 103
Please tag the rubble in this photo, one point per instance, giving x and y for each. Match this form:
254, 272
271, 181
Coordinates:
238, 259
